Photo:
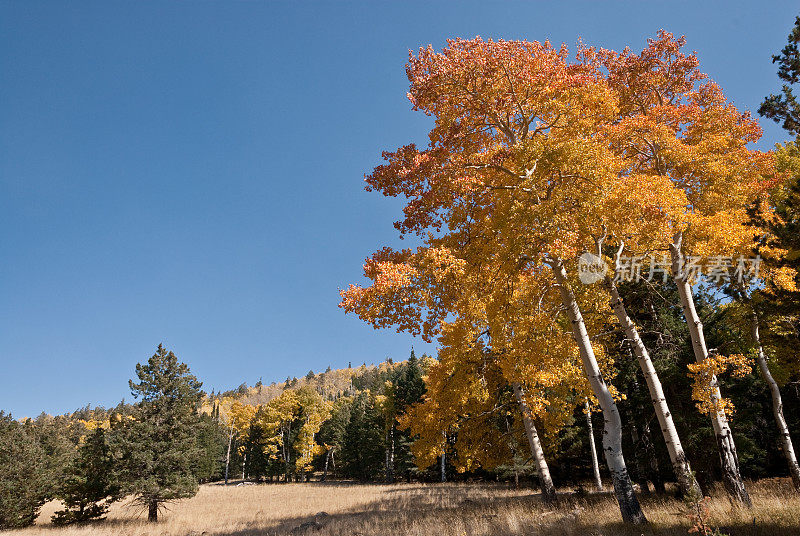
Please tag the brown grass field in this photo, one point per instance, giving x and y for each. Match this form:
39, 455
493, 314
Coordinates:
428, 509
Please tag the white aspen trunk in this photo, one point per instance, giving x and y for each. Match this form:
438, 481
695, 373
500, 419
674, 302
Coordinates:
777, 407
598, 482
629, 505
545, 480
729, 460
443, 463
391, 454
386, 470
285, 452
228, 456
680, 465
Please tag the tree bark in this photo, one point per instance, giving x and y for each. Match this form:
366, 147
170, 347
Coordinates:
680, 465
325, 470
443, 463
386, 456
598, 482
286, 454
391, 454
545, 480
152, 511
629, 505
777, 407
228, 456
729, 460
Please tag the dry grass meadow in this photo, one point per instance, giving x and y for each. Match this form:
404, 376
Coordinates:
427, 509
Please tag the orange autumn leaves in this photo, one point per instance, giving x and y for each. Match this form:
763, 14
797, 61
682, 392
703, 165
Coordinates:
534, 154
409, 291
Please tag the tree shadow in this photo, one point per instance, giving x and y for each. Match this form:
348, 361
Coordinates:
565, 517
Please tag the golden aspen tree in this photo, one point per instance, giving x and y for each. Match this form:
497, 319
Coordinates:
313, 412
678, 134
775, 216
291, 422
512, 166
495, 328
749, 312
236, 417
278, 419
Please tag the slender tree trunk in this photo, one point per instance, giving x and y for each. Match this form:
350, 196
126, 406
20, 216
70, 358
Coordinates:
629, 505
228, 456
152, 511
286, 454
598, 482
387, 456
391, 454
325, 470
680, 465
729, 460
777, 407
443, 463
545, 481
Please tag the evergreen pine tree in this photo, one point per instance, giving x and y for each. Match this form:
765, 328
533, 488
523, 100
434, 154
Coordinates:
212, 440
363, 443
256, 458
409, 389
25, 480
784, 108
332, 433
410, 385
159, 454
88, 488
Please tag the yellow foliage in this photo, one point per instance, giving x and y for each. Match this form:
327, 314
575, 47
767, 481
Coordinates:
705, 390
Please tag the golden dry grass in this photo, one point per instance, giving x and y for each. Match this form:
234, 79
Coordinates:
428, 509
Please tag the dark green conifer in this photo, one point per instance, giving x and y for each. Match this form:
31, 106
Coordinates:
25, 480
158, 448
363, 443
88, 487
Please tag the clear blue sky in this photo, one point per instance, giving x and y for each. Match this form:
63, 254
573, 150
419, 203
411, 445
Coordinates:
191, 172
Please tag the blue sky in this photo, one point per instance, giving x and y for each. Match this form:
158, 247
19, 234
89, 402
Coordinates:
191, 172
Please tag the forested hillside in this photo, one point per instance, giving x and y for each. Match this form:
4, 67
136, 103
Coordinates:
369, 423
611, 273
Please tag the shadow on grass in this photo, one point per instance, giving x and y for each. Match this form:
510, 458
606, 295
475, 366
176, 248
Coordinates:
461, 509
423, 513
